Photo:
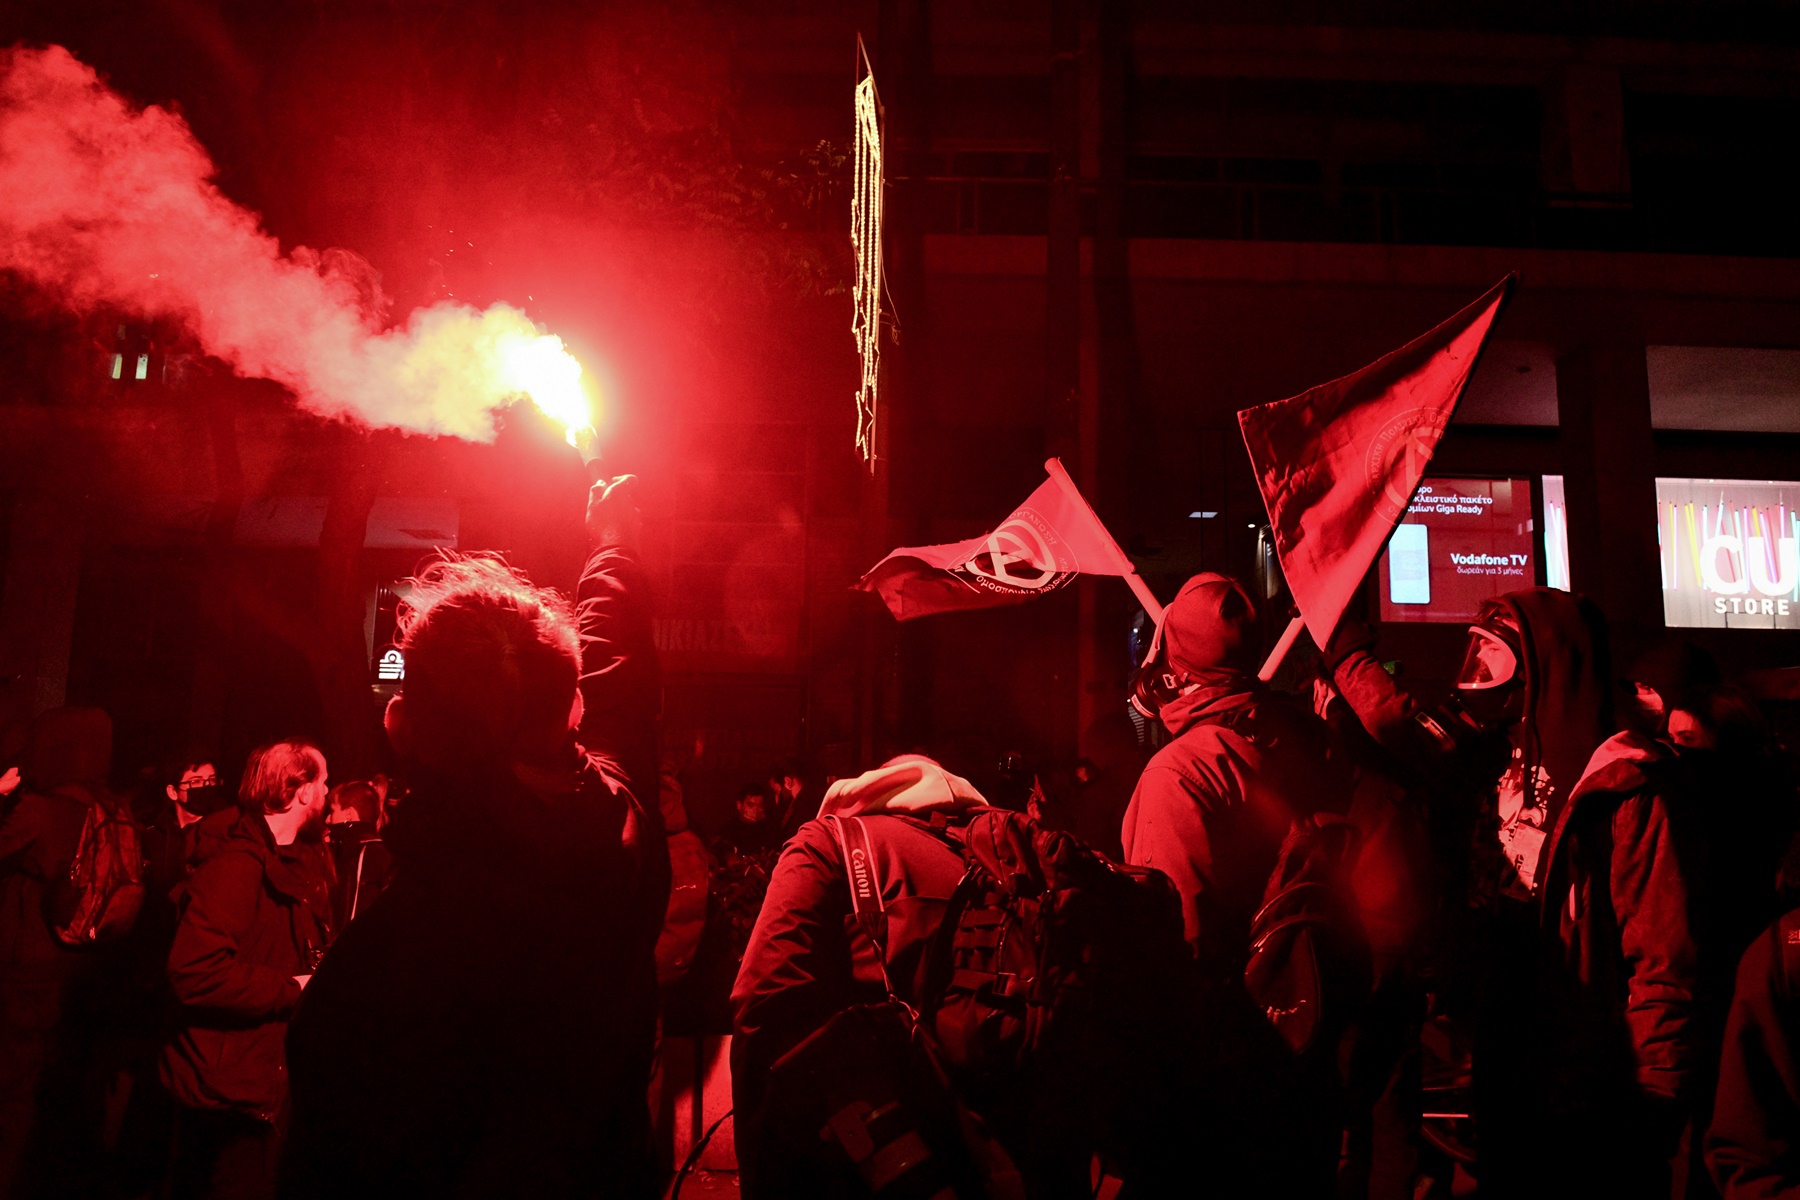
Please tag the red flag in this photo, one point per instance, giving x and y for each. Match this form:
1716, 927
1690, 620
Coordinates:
1046, 542
1337, 465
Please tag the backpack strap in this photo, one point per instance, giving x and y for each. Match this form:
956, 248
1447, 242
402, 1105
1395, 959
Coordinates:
862, 872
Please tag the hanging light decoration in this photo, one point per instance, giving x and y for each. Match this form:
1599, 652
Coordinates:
865, 239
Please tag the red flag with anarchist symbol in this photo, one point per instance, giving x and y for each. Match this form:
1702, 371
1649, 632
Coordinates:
1338, 465
1046, 542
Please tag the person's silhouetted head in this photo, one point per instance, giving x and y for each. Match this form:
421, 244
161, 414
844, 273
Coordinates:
1211, 626
492, 664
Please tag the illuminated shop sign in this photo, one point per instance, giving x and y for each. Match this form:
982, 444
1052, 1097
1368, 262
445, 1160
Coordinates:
1461, 542
391, 666
1730, 553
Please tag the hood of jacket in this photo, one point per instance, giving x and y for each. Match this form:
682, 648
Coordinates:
1626, 762
299, 872
1298, 759
1216, 696
1568, 687
1622, 763
912, 784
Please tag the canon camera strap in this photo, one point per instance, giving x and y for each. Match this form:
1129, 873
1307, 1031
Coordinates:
862, 871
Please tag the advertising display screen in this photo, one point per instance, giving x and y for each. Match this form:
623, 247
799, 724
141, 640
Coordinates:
1730, 553
1461, 542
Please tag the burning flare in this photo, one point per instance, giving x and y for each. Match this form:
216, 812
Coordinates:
540, 367
107, 206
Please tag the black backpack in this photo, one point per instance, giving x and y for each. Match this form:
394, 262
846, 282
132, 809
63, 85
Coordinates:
100, 898
1046, 970
1309, 967
1051, 987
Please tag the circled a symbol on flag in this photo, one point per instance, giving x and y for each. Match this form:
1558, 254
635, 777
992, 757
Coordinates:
1016, 555
1399, 453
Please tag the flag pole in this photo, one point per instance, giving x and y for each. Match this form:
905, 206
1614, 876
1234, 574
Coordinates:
1133, 580
1289, 636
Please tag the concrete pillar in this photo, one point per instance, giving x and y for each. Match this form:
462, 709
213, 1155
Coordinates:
1609, 474
37, 606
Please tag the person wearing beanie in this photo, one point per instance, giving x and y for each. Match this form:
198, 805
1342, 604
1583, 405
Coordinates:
1212, 807
1211, 811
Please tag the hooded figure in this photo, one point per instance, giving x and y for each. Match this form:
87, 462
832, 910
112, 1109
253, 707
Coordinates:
1573, 955
45, 1030
1620, 969
906, 834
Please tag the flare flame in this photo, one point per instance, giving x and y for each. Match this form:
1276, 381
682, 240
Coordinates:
106, 206
541, 367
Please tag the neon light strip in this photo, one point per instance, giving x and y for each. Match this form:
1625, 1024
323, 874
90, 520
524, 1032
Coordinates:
1694, 544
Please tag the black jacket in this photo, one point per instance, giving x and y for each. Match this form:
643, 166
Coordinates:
37, 842
486, 1027
252, 916
1753, 1145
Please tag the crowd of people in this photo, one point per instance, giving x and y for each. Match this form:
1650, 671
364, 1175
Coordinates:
1536, 936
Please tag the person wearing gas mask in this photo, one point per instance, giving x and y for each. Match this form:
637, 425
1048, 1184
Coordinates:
1211, 808
1571, 952
1248, 773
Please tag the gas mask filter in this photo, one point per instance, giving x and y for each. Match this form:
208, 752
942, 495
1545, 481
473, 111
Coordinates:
1156, 683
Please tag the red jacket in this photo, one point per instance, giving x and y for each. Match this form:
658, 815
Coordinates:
1621, 973
799, 968
1211, 808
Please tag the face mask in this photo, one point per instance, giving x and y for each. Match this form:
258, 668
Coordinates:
203, 799
1156, 682
349, 833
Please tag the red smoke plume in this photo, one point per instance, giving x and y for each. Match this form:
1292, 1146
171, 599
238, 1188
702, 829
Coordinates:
106, 205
